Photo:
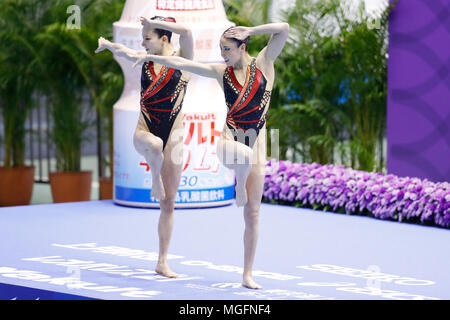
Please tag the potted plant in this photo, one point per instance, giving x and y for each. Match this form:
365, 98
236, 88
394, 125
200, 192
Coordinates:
19, 68
69, 183
104, 79
331, 77
77, 73
66, 88
16, 179
39, 53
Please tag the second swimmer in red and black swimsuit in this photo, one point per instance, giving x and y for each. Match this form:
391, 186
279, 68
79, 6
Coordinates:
247, 105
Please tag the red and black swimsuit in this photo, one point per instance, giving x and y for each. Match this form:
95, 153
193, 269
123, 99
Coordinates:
246, 104
160, 103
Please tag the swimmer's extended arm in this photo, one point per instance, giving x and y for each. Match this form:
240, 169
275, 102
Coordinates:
210, 70
279, 32
118, 49
186, 40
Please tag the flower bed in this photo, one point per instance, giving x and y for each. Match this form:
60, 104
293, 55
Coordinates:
339, 189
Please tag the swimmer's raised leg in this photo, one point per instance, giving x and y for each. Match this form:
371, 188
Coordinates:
151, 147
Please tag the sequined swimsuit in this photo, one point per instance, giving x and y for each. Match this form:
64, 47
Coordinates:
246, 104
160, 99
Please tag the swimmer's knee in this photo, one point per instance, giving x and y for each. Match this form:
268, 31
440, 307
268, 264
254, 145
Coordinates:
251, 212
157, 144
146, 145
167, 205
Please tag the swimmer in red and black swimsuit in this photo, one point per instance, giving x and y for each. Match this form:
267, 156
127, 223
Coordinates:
247, 83
160, 128
161, 99
247, 105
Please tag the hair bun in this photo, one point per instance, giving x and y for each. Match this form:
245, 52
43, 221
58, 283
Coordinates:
161, 18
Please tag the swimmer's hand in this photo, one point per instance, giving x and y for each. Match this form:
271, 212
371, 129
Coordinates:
240, 33
103, 44
146, 23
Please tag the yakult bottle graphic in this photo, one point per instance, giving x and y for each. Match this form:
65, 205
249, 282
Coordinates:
205, 182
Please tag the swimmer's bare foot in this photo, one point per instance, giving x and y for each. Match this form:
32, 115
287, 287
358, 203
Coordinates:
241, 196
250, 284
158, 189
164, 270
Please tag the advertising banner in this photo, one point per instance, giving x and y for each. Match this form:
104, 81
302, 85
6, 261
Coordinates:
205, 181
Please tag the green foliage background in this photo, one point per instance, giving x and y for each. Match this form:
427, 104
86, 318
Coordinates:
42, 56
329, 97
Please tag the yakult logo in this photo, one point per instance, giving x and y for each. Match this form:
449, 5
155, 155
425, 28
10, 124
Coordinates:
203, 142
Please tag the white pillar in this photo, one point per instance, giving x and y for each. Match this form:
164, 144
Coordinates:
205, 182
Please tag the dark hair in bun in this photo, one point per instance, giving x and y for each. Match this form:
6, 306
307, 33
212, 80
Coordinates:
162, 32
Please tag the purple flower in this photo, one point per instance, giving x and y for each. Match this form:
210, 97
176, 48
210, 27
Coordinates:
385, 196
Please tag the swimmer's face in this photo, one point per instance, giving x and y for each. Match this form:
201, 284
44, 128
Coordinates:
230, 52
152, 43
